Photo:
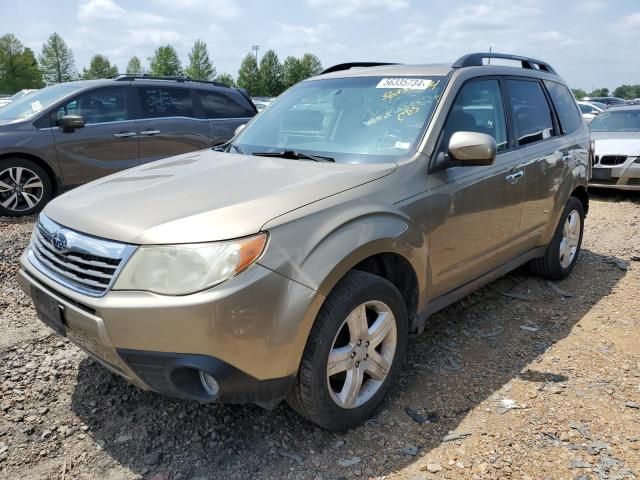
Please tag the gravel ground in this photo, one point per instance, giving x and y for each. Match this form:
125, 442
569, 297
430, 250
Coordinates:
524, 379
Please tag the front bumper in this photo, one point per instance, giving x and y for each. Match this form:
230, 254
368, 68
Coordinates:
248, 333
625, 176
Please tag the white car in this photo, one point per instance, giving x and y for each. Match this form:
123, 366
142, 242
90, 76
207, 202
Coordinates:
16, 96
616, 133
589, 110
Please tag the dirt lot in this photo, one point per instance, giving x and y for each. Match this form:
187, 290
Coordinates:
523, 380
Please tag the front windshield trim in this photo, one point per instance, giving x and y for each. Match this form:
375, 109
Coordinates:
365, 86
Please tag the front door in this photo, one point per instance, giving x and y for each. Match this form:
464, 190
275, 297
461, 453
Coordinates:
475, 211
169, 124
106, 144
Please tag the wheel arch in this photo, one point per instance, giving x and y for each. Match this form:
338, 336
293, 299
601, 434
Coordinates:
55, 181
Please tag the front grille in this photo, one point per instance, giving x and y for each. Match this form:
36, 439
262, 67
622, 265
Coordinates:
83, 263
611, 160
633, 181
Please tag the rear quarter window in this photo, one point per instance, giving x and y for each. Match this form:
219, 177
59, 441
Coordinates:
568, 114
223, 105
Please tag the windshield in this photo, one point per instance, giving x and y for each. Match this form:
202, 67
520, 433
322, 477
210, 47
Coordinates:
31, 104
354, 120
616, 121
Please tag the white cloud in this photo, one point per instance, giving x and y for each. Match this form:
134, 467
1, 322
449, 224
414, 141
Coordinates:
100, 10
215, 8
301, 35
345, 8
152, 36
592, 6
492, 15
629, 26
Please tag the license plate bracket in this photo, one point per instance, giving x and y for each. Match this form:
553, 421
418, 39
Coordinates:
49, 310
601, 173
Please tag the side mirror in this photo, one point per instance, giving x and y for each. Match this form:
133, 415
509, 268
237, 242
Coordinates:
472, 148
239, 129
69, 123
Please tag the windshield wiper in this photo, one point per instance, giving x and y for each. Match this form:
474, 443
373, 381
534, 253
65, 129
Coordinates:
295, 155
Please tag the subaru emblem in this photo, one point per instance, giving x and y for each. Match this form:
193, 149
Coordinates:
59, 242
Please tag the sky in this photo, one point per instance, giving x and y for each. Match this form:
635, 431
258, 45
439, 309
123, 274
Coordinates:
591, 43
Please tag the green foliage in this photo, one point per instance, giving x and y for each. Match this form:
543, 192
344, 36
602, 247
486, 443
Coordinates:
18, 66
310, 65
248, 75
134, 66
271, 75
99, 67
56, 60
627, 91
296, 70
579, 93
600, 92
200, 67
165, 62
227, 79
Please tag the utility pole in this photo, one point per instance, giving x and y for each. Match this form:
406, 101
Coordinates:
255, 49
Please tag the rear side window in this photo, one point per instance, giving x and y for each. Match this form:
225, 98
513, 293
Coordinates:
166, 102
531, 113
570, 118
220, 105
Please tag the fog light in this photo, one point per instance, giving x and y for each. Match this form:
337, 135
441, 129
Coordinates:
209, 383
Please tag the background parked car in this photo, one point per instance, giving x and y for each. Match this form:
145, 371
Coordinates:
590, 110
616, 133
16, 96
72, 133
262, 102
609, 101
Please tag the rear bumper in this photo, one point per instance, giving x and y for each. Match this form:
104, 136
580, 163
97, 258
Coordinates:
248, 334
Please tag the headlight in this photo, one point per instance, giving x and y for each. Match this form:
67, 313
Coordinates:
188, 268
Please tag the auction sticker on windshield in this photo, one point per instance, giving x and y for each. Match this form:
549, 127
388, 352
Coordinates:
407, 83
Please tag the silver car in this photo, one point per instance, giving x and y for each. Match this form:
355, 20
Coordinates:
295, 263
616, 134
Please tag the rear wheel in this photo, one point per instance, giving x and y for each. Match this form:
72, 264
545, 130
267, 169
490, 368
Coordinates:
562, 253
25, 187
354, 353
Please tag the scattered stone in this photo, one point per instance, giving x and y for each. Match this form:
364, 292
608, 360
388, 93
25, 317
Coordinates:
152, 458
582, 429
419, 419
293, 456
621, 264
410, 450
577, 463
337, 444
123, 438
529, 328
432, 467
558, 290
455, 436
631, 404
348, 462
518, 296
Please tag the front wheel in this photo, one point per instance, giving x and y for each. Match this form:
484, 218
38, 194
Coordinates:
25, 187
353, 354
564, 248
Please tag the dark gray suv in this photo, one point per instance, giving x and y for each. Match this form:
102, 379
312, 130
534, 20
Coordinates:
69, 134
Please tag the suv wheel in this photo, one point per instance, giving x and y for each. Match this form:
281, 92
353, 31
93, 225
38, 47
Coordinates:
25, 187
562, 253
353, 354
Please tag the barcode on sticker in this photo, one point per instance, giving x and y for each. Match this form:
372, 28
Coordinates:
408, 83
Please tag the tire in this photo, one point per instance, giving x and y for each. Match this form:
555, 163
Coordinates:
32, 191
557, 263
324, 399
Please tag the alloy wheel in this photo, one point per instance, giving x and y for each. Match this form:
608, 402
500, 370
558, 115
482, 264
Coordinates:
570, 238
361, 355
21, 189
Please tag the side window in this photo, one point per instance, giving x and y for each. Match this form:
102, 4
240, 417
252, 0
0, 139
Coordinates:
98, 106
166, 102
585, 108
478, 108
220, 105
531, 113
570, 118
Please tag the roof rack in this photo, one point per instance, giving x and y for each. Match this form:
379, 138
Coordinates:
125, 77
347, 66
475, 60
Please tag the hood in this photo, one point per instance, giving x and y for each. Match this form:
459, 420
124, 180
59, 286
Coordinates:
613, 143
202, 196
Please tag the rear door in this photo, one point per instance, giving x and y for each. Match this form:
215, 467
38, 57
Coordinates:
226, 110
475, 210
170, 122
106, 144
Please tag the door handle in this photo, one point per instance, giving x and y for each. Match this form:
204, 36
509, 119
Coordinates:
124, 134
513, 177
149, 132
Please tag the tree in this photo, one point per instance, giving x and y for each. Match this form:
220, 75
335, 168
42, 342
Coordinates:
579, 93
134, 66
310, 65
627, 91
165, 62
600, 92
227, 79
99, 67
292, 71
18, 66
271, 74
56, 60
200, 67
248, 75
